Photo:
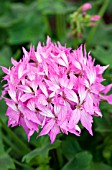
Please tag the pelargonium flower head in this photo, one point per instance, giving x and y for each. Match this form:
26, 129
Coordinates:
54, 88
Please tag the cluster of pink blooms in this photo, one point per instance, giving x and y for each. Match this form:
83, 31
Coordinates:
53, 89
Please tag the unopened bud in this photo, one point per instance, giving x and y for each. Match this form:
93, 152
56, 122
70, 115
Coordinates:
86, 6
95, 18
93, 24
79, 35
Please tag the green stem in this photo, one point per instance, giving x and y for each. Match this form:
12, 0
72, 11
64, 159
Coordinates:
63, 25
20, 164
59, 157
76, 42
46, 19
8, 142
59, 26
93, 30
18, 142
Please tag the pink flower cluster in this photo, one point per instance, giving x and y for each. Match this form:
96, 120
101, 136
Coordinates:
54, 88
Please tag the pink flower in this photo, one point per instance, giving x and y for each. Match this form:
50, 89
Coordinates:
86, 6
95, 18
54, 88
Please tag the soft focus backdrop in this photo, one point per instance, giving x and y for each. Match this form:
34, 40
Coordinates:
27, 22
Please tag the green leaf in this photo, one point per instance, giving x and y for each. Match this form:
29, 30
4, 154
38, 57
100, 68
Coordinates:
31, 29
3, 108
104, 124
70, 147
5, 55
3, 6
41, 151
1, 143
6, 162
103, 35
82, 161
58, 7
13, 15
103, 55
3, 37
100, 166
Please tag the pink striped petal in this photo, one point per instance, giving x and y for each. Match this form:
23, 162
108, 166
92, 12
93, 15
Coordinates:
43, 88
31, 104
46, 129
86, 120
54, 131
26, 97
45, 111
74, 119
25, 88
71, 95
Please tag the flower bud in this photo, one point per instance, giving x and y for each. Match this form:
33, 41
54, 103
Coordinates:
95, 18
86, 6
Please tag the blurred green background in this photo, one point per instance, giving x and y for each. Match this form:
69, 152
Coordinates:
27, 22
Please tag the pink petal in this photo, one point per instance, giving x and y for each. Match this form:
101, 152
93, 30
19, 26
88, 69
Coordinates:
45, 68
62, 114
46, 129
25, 52
54, 131
101, 69
13, 117
57, 109
71, 95
25, 88
64, 127
77, 65
34, 84
5, 70
31, 125
14, 62
26, 97
12, 92
107, 89
64, 57
82, 93
52, 86
41, 100
23, 124
30, 133
31, 116
76, 130
11, 104
86, 120
96, 88
88, 105
38, 56
31, 104
74, 119
97, 112
43, 88
91, 74
108, 98
21, 70
61, 62
45, 111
